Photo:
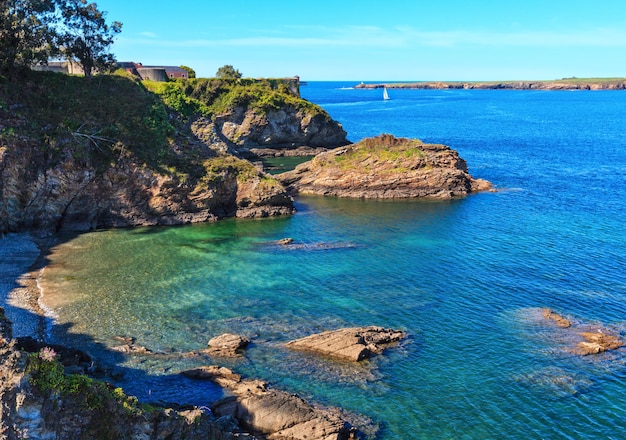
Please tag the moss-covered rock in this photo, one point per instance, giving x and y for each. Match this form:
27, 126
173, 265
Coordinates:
385, 167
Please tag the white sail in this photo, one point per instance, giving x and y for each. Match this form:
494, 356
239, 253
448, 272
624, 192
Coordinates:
385, 94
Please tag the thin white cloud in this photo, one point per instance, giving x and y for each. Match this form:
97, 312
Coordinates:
148, 34
400, 37
587, 38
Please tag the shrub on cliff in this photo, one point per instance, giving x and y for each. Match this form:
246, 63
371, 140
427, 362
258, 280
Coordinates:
46, 375
96, 121
213, 96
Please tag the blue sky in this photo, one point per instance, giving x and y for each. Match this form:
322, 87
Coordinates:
370, 41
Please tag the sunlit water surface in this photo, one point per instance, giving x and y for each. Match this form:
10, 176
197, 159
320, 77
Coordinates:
465, 278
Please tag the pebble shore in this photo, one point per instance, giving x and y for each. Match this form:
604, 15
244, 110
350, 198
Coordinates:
18, 284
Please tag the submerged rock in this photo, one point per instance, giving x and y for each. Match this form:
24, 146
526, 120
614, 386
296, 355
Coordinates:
559, 320
595, 338
128, 345
353, 344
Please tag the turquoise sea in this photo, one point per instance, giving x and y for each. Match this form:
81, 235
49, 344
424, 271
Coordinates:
465, 278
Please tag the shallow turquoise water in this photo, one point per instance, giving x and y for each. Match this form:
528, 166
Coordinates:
464, 278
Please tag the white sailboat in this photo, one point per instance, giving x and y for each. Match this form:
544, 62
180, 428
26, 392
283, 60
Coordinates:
385, 94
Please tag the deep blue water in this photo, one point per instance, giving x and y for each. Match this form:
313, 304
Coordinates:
465, 278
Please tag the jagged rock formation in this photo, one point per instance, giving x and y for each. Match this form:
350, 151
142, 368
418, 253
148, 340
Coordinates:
272, 413
353, 344
71, 196
79, 155
385, 167
255, 132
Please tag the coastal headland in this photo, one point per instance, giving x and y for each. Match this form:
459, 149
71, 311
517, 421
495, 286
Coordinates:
558, 84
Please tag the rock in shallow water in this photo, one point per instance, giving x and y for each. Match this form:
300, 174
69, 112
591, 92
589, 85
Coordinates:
353, 344
227, 345
273, 413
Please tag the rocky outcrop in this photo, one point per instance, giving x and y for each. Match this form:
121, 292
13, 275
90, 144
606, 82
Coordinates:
385, 167
286, 128
79, 155
227, 345
353, 344
272, 413
598, 342
559, 320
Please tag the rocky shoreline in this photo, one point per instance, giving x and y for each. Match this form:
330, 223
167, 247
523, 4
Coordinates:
21, 260
251, 409
565, 84
206, 173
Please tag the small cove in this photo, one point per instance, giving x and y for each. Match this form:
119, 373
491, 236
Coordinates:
462, 277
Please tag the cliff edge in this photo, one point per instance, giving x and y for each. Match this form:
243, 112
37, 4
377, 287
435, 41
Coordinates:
111, 151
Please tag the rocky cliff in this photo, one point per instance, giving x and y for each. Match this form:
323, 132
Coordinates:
385, 167
257, 133
80, 154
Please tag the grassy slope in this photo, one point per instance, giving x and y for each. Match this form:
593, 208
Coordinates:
98, 120
109, 117
210, 97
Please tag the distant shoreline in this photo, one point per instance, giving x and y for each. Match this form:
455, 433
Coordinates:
558, 84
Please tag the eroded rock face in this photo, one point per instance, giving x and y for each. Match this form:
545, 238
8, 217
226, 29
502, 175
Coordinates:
272, 413
73, 196
385, 167
353, 344
287, 127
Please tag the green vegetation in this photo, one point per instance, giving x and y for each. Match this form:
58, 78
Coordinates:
47, 376
228, 72
217, 168
33, 31
385, 148
98, 121
212, 96
173, 96
86, 36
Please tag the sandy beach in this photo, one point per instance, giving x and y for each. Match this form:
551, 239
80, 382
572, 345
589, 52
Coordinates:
19, 292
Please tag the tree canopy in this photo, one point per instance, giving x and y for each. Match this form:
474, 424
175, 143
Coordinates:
87, 36
33, 31
190, 72
228, 72
26, 33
